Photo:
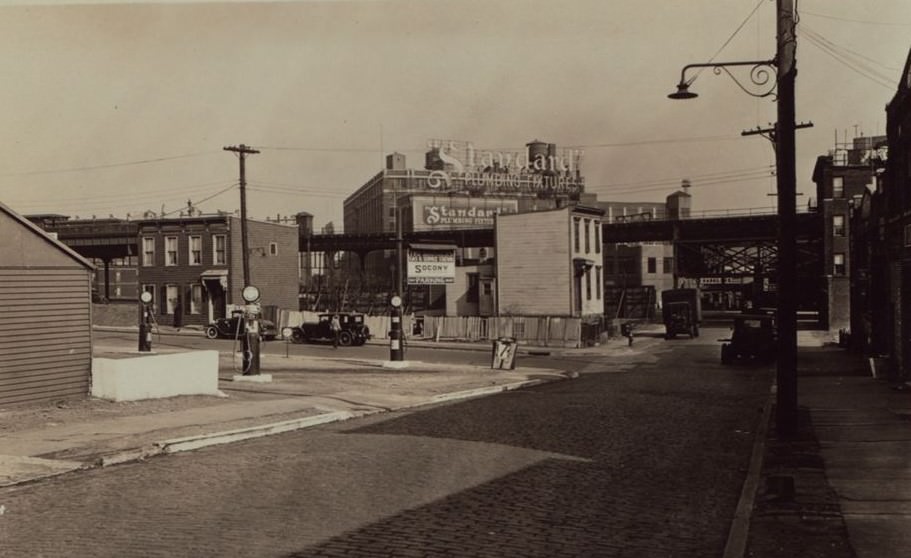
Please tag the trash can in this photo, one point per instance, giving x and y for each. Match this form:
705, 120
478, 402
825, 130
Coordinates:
504, 353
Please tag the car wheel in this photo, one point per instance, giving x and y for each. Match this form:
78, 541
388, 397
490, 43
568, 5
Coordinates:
212, 332
345, 339
297, 336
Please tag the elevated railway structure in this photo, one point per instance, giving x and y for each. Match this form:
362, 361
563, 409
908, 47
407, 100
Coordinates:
728, 248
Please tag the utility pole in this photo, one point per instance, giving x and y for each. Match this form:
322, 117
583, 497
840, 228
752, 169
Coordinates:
242, 152
249, 293
785, 146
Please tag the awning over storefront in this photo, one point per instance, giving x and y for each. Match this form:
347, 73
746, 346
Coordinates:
210, 275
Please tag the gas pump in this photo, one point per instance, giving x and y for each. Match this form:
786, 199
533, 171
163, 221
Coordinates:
145, 322
396, 351
252, 310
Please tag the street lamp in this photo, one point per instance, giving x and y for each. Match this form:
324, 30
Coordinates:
761, 84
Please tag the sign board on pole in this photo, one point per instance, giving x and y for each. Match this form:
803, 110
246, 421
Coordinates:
431, 265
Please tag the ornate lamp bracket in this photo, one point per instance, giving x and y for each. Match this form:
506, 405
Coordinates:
761, 80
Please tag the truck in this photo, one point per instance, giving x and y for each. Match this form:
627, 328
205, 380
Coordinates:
681, 310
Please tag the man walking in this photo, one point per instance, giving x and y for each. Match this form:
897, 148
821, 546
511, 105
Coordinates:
335, 327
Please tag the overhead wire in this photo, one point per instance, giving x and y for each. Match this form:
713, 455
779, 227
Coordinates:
728, 41
843, 56
107, 166
850, 20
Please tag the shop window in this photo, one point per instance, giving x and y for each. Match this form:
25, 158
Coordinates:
652, 265
838, 264
838, 225
195, 299
172, 298
170, 247
148, 251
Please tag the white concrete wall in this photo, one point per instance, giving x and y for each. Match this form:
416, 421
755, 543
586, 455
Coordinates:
155, 376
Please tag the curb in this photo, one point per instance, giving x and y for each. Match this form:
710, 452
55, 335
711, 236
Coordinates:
189, 443
736, 545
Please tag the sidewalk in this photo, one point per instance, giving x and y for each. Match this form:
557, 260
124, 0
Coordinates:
842, 486
45, 440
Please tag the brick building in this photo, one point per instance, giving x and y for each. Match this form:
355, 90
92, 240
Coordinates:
193, 266
842, 178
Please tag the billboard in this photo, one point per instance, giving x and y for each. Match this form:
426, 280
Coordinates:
431, 265
445, 212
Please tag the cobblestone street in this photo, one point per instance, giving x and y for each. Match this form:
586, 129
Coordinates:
644, 455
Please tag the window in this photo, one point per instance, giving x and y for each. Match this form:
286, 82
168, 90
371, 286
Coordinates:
667, 265
597, 237
598, 282
838, 264
588, 226
471, 294
148, 250
195, 299
273, 248
653, 265
195, 250
117, 291
588, 284
218, 249
838, 187
170, 248
172, 298
488, 288
576, 234
838, 225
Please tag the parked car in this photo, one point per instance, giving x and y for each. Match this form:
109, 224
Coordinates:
354, 330
753, 338
228, 328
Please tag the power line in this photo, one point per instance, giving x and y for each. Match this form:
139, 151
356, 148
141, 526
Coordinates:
734, 34
717, 174
866, 22
152, 194
858, 67
107, 166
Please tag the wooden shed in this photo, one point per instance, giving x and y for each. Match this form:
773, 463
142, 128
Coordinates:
45, 315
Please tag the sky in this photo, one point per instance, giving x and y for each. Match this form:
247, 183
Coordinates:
119, 108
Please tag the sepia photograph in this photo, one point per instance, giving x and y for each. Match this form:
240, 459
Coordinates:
455, 278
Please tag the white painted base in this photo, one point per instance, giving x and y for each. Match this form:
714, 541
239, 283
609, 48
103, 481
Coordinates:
395, 364
253, 378
153, 376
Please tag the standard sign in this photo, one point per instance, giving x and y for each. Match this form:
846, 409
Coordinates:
431, 267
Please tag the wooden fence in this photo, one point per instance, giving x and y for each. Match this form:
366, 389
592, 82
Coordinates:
539, 331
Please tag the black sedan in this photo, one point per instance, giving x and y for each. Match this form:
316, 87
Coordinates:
229, 328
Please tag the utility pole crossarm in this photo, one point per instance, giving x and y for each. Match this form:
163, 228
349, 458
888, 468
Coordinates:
242, 152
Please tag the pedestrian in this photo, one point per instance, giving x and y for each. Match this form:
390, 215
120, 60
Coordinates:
335, 327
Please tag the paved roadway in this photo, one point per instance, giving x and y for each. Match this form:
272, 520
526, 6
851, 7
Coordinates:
643, 455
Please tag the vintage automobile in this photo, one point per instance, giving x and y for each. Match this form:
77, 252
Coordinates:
354, 330
228, 328
753, 338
